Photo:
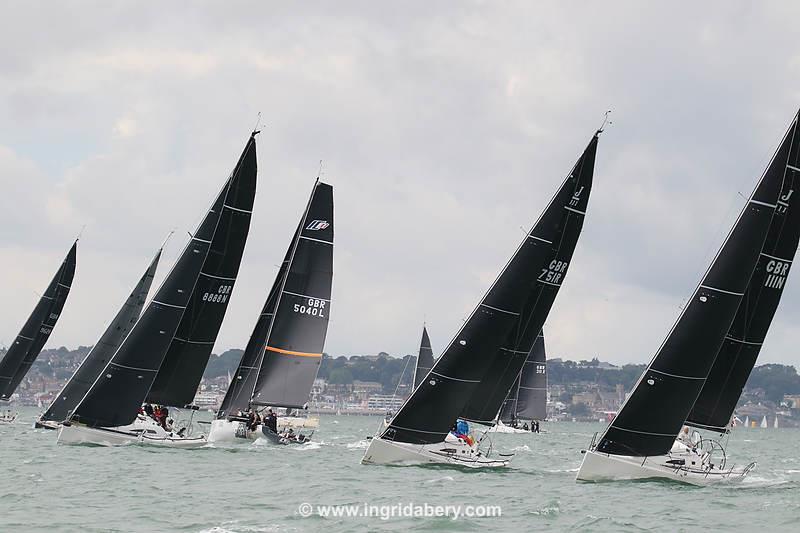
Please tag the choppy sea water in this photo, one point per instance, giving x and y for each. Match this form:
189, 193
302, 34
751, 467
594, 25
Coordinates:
260, 487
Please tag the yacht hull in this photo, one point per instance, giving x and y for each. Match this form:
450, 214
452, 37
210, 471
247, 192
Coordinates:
383, 452
686, 468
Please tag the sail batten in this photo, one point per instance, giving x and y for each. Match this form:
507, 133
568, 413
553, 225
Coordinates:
428, 414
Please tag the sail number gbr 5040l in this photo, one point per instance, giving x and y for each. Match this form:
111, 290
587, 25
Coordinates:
313, 307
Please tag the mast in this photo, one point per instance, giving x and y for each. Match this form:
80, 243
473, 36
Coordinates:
653, 414
424, 359
296, 336
83, 378
428, 414
723, 386
34, 334
559, 229
187, 356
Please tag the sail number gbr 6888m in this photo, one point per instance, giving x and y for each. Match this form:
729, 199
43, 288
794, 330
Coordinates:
313, 307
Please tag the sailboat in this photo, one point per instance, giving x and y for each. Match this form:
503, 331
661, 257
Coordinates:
163, 357
424, 359
641, 440
764, 424
34, 334
78, 385
526, 403
747, 421
495, 340
283, 355
775, 425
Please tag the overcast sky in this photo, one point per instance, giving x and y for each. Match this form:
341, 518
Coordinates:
444, 127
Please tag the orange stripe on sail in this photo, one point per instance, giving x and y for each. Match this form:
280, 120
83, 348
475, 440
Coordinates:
289, 352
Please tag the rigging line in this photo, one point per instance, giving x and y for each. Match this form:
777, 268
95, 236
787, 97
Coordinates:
258, 123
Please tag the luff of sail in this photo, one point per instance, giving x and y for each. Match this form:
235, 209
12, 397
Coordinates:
428, 414
34, 334
187, 356
651, 417
424, 359
97, 358
737, 356
115, 397
559, 228
296, 338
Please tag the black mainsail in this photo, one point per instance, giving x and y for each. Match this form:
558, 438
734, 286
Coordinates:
505, 319
721, 390
296, 337
34, 334
186, 359
653, 414
528, 397
116, 395
97, 358
424, 359
559, 229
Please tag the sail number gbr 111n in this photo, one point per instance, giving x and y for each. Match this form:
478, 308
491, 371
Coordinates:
312, 306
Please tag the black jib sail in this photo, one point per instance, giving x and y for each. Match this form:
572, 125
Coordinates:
559, 228
117, 394
296, 337
97, 358
424, 359
503, 319
527, 399
186, 359
654, 413
717, 401
34, 334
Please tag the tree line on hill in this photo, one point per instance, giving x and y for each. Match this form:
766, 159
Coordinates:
775, 380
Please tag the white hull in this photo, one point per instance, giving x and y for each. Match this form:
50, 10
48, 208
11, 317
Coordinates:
140, 432
46, 424
502, 428
451, 452
230, 431
695, 468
